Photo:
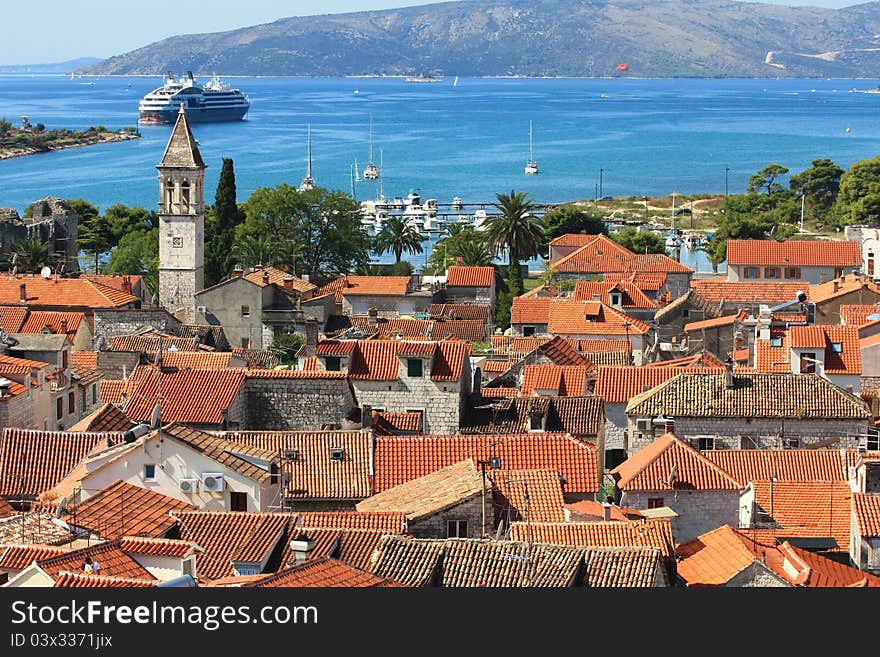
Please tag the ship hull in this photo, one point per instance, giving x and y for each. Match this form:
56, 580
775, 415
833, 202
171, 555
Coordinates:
193, 115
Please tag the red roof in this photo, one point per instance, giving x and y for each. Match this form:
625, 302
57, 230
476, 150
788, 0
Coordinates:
12, 317
85, 359
202, 360
19, 557
266, 275
603, 345
113, 562
457, 276
643, 280
532, 495
374, 285
63, 293
610, 533
824, 336
794, 253
631, 295
726, 320
719, 289
157, 546
714, 558
380, 359
321, 573
37, 320
530, 310
747, 465
72, 580
650, 469
620, 383
562, 380
866, 509
106, 417
857, 315
568, 317
865, 288
402, 458
773, 355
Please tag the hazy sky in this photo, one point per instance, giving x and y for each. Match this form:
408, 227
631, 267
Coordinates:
59, 30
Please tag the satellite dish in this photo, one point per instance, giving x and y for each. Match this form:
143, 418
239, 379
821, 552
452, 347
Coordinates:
46, 272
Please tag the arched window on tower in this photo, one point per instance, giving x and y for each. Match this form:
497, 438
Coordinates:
168, 201
184, 197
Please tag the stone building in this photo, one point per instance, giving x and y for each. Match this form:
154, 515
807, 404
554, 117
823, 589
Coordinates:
53, 222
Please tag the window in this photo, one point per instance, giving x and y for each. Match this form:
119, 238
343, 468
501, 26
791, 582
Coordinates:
84, 399
64, 359
536, 422
771, 272
95, 394
245, 343
616, 299
177, 242
870, 263
528, 331
808, 363
71, 402
655, 502
237, 501
59, 408
792, 272
332, 363
705, 442
750, 272
748, 442
414, 367
686, 312
189, 567
245, 311
775, 340
456, 529
149, 472
837, 347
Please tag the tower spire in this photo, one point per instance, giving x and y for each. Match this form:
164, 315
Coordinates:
182, 149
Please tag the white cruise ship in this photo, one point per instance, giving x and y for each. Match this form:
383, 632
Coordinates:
213, 101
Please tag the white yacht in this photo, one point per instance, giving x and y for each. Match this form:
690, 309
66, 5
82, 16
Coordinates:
531, 166
371, 172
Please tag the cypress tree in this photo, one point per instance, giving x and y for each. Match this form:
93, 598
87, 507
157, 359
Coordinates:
225, 216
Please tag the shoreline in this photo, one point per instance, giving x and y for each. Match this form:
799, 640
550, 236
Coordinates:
11, 152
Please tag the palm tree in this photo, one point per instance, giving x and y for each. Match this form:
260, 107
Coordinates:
30, 255
253, 250
475, 253
515, 230
398, 236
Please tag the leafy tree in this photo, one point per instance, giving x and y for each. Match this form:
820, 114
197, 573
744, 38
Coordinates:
820, 183
220, 224
94, 237
121, 220
572, 218
503, 302
254, 250
765, 179
645, 241
859, 198
464, 242
137, 253
286, 345
515, 230
474, 253
5, 126
402, 268
31, 255
397, 236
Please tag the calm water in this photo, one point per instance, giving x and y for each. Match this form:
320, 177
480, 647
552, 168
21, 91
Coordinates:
648, 137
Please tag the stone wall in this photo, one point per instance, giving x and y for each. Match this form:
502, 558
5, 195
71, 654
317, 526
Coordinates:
440, 401
18, 411
471, 510
295, 404
109, 323
699, 511
117, 364
757, 575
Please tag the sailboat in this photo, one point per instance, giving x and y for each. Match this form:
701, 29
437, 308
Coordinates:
455, 81
357, 171
308, 182
371, 172
531, 165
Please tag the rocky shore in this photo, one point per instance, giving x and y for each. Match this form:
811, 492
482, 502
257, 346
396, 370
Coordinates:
20, 142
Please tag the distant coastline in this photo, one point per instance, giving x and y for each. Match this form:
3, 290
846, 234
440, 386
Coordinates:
19, 142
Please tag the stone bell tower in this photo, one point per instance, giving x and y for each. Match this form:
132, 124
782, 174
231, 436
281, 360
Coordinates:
181, 221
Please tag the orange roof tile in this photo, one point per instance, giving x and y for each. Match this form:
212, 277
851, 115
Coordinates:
458, 276
20, 556
113, 562
37, 320
505, 393
747, 465
561, 351
632, 296
610, 533
651, 281
110, 390
562, 380
105, 418
122, 283
773, 355
34, 528
858, 315
497, 365
794, 253
155, 546
726, 320
267, 275
123, 509
353, 546
866, 509
590, 511
85, 359
380, 359
824, 336
83, 376
719, 289
517, 345
375, 285
313, 474
150, 342
394, 423
322, 573
568, 317
460, 311
600, 345
190, 396
620, 383
573, 239
201, 360
392, 522
532, 495
714, 558
844, 285
530, 310
6, 509
814, 570
71, 580
402, 458
651, 469
34, 461
63, 293
702, 359
12, 318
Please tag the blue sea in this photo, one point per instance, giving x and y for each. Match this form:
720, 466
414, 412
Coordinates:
471, 140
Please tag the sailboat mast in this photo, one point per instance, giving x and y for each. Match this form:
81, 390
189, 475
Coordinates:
381, 175
309, 141
531, 158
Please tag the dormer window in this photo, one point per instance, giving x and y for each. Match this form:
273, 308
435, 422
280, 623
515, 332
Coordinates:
837, 347
332, 363
616, 299
414, 367
536, 423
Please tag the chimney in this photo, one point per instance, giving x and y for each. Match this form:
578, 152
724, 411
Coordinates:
311, 336
415, 281
728, 374
237, 272
126, 284
288, 283
22, 289
305, 277
265, 278
669, 425
597, 297
374, 317
835, 285
224, 413
606, 511
64, 325
366, 416
302, 547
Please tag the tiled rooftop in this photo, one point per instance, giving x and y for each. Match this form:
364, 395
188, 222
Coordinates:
631, 567
39, 528
747, 465
233, 455
619, 383
114, 562
602, 255
532, 495
162, 547
579, 416
720, 290
653, 466
267, 275
321, 573
105, 418
805, 568
150, 342
391, 424
12, 317
58, 322
642, 280
74, 580
352, 546
63, 293
848, 360
866, 509
858, 315
844, 285
459, 311
794, 253
612, 533
458, 276
714, 558
392, 522
631, 295
20, 556
561, 380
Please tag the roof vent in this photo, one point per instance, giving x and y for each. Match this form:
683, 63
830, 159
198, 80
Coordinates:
337, 454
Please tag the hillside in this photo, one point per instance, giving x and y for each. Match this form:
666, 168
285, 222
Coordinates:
657, 38
57, 67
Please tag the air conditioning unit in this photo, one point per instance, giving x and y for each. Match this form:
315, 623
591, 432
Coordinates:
291, 455
645, 425
188, 485
213, 481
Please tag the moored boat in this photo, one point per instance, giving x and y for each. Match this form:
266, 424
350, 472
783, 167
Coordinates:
213, 101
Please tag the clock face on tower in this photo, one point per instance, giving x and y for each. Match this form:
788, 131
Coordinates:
177, 241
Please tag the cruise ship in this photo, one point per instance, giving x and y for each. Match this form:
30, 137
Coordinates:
213, 101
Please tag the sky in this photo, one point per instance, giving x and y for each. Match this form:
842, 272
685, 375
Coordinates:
62, 30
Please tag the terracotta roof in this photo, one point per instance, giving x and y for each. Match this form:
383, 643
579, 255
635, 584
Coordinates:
794, 253
530, 311
658, 263
590, 511
476, 563
228, 536
726, 320
6, 509
110, 390
313, 473
391, 522
34, 528
352, 546
402, 458
631, 295
702, 359
123, 283
182, 150
191, 396
579, 416
562, 380
770, 358
63, 293
505, 393
806, 509
201, 360
267, 275
233, 455
322, 573
105, 418
747, 465
804, 396
640, 567
150, 342
373, 285
568, 317
114, 562
458, 276
598, 254
430, 494
471, 330
396, 423
83, 376
651, 281
611, 533
714, 558
257, 357
620, 383
380, 359
866, 509
719, 289
34, 461
122, 509
824, 336
12, 318
651, 469
71, 580
85, 359
573, 239
515, 345
533, 495
20, 556
163, 547
37, 320
589, 347
844, 285
460, 311
296, 374
857, 315
561, 351
804, 568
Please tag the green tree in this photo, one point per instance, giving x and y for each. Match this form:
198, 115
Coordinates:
137, 253
859, 198
819, 184
639, 241
572, 218
5, 126
93, 237
31, 255
122, 219
515, 230
402, 268
286, 344
220, 224
398, 236
765, 179
462, 241
255, 250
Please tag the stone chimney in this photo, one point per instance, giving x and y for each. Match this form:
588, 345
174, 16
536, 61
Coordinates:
606, 511
669, 425
311, 337
374, 317
22, 290
64, 325
302, 547
237, 272
288, 283
728, 374
126, 284
835, 285
366, 416
265, 278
